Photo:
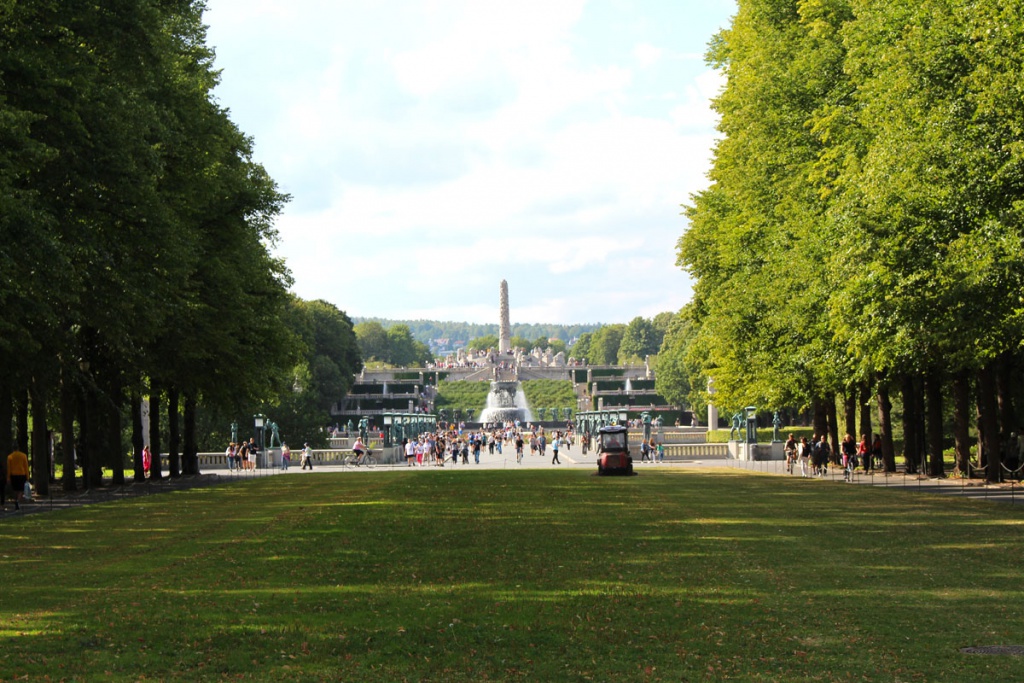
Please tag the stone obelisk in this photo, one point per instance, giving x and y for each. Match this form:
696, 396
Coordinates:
505, 327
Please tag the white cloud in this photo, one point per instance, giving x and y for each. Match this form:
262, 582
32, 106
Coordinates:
695, 112
647, 55
430, 145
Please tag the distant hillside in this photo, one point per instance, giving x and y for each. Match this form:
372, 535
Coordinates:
441, 335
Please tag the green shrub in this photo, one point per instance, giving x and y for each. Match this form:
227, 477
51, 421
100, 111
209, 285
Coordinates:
548, 394
469, 398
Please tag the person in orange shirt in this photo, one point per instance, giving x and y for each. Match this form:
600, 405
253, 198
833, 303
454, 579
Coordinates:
17, 474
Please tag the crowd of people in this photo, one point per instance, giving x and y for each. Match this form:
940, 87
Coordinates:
242, 456
453, 443
815, 457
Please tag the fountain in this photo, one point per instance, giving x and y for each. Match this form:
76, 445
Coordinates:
506, 402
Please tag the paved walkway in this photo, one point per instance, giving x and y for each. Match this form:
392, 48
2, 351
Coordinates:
1010, 492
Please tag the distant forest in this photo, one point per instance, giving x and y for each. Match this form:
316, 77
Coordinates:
427, 331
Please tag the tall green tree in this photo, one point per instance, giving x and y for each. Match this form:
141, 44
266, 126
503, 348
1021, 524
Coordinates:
755, 242
640, 340
581, 349
325, 370
930, 223
488, 341
677, 373
404, 350
604, 345
520, 342
373, 341
132, 190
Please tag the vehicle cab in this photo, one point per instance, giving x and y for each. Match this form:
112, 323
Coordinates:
613, 451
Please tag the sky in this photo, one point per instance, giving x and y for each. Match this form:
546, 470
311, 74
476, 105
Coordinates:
433, 148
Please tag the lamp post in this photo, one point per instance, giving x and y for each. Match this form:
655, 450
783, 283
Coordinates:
259, 422
387, 428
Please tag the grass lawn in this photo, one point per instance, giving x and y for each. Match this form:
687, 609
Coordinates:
526, 575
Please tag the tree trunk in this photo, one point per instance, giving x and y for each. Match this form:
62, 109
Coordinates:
1005, 373
988, 423
22, 420
850, 410
865, 409
86, 440
137, 439
885, 427
820, 417
174, 438
910, 422
833, 427
190, 456
155, 470
114, 428
6, 419
67, 429
6, 433
962, 421
40, 441
933, 387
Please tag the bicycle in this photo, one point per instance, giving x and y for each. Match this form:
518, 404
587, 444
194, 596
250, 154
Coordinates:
367, 459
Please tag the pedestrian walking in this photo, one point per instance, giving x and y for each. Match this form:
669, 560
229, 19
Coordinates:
17, 474
805, 455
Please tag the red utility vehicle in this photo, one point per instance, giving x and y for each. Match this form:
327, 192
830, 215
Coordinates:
613, 451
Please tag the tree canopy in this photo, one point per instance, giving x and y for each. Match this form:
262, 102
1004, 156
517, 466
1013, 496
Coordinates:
640, 340
393, 346
863, 224
138, 234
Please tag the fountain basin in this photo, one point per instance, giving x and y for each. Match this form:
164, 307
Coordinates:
506, 402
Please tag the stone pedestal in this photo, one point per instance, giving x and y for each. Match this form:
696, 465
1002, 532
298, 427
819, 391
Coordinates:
756, 451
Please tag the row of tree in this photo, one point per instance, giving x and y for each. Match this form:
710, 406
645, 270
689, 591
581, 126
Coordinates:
136, 231
392, 346
490, 341
863, 232
427, 331
620, 344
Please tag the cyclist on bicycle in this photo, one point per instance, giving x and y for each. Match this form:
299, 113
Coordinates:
359, 449
790, 450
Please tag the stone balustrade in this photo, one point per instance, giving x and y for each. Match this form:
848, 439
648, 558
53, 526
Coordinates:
321, 456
